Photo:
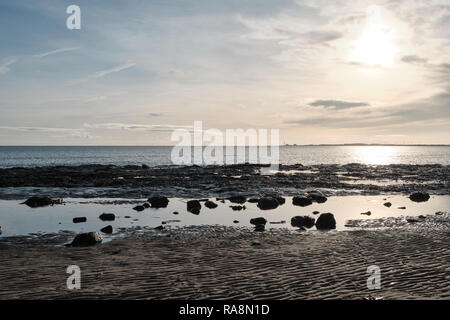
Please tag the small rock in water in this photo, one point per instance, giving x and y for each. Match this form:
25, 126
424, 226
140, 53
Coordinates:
368, 213
36, 202
158, 202
257, 221
237, 208
159, 227
326, 221
302, 221
194, 206
419, 196
387, 204
301, 201
317, 196
268, 203
107, 217
401, 208
175, 212
139, 208
86, 239
127, 217
439, 213
237, 199
210, 204
79, 219
107, 229
236, 221
316, 212
253, 200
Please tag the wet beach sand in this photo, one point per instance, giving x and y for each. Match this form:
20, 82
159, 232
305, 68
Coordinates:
224, 262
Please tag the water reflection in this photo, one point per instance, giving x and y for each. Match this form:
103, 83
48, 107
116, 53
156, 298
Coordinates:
376, 154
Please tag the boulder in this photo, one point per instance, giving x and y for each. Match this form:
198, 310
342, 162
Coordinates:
301, 201
158, 202
387, 204
194, 206
139, 208
79, 219
257, 221
86, 239
302, 221
36, 202
107, 229
268, 203
237, 199
317, 196
419, 197
107, 217
326, 221
210, 204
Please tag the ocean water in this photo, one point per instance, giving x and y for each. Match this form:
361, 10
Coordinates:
158, 156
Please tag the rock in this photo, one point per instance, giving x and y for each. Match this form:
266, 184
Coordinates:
175, 212
260, 228
419, 197
257, 221
237, 199
368, 213
302, 221
146, 205
79, 219
439, 213
159, 227
86, 239
422, 217
107, 217
144, 166
253, 200
326, 221
158, 202
35, 202
107, 229
401, 208
127, 217
237, 208
194, 206
268, 203
387, 204
236, 221
281, 200
139, 208
412, 220
317, 196
210, 204
301, 201
316, 212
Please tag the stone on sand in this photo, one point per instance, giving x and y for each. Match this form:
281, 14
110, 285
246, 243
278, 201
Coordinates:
107, 217
86, 239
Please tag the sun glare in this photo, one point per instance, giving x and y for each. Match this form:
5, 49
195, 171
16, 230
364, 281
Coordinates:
376, 46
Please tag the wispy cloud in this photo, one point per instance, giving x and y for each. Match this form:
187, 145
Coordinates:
139, 127
103, 73
61, 50
4, 67
338, 104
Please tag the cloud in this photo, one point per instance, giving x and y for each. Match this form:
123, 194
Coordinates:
414, 59
63, 132
103, 73
138, 127
337, 104
48, 53
153, 114
4, 67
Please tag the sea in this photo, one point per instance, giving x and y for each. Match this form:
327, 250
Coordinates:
36, 156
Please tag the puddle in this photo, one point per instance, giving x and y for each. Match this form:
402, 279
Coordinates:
17, 219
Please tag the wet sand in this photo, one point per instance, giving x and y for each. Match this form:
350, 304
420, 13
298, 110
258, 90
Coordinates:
228, 263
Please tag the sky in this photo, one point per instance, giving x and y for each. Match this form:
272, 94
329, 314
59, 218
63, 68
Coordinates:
322, 72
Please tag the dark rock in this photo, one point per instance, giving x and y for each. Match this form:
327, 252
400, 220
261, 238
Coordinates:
412, 220
326, 221
317, 196
439, 213
175, 212
158, 202
127, 217
146, 205
401, 208
144, 166
107, 229
419, 197
387, 204
301, 201
139, 208
79, 219
268, 203
368, 213
259, 220
302, 221
253, 200
159, 227
260, 227
281, 200
237, 208
236, 221
316, 212
107, 217
194, 206
210, 204
86, 239
36, 202
237, 199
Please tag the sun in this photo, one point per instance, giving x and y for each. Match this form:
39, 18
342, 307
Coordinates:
376, 45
